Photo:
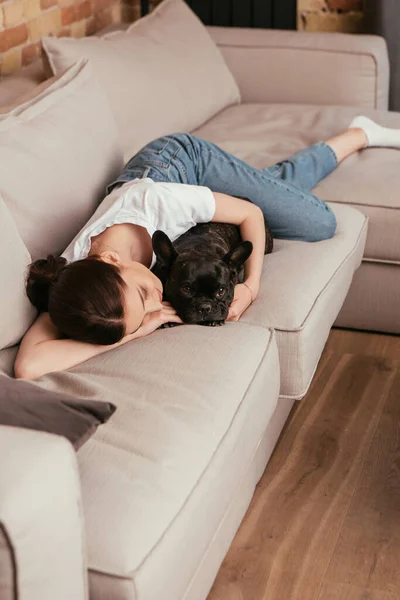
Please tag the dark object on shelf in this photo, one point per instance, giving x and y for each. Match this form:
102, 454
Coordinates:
272, 14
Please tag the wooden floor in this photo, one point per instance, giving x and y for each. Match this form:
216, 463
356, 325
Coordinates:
324, 523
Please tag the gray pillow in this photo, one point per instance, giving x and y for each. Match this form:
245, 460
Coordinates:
25, 404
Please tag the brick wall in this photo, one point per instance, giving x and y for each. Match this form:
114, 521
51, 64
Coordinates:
24, 22
330, 15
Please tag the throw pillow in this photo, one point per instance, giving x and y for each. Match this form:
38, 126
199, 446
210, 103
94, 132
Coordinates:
25, 404
26, 96
17, 313
164, 74
58, 151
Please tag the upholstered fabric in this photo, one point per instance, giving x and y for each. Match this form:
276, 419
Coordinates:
104, 585
374, 298
40, 518
7, 358
163, 75
302, 290
306, 67
21, 82
187, 422
52, 191
369, 180
28, 94
16, 311
8, 572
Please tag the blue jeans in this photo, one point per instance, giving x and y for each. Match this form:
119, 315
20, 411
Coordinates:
283, 191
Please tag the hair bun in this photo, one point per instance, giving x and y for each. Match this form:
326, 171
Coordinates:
41, 275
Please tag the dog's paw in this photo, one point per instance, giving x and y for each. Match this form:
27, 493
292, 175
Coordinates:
212, 323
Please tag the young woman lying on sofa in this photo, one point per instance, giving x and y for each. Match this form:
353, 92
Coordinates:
101, 293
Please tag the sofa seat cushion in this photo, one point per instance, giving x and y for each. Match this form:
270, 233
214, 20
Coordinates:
264, 134
192, 403
303, 287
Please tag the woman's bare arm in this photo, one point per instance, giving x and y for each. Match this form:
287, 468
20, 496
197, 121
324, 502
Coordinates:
250, 220
43, 350
249, 217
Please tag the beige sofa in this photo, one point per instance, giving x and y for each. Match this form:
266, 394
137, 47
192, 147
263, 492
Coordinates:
148, 507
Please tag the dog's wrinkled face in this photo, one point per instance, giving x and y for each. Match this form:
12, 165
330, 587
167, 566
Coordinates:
201, 288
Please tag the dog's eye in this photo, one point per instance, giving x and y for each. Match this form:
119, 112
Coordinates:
186, 289
220, 292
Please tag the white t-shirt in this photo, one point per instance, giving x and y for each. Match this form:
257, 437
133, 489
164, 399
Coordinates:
172, 207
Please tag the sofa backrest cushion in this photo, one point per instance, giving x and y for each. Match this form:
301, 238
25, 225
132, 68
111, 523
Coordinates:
21, 82
16, 311
163, 75
28, 94
58, 151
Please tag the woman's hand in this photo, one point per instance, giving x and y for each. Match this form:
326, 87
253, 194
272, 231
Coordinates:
153, 321
242, 299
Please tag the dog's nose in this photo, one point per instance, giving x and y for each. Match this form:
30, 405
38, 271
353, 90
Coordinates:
205, 308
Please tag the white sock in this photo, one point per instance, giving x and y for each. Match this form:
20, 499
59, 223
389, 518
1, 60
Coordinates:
376, 134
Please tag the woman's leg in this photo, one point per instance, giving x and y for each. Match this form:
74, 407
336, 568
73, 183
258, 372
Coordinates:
291, 210
347, 143
307, 167
281, 191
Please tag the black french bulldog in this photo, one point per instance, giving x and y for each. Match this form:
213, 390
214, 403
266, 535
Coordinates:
200, 269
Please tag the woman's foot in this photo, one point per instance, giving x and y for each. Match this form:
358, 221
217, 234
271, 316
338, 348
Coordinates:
376, 135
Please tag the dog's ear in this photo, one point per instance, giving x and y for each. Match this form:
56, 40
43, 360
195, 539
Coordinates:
236, 257
163, 249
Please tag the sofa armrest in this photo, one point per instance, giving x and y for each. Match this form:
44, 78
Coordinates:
41, 532
300, 67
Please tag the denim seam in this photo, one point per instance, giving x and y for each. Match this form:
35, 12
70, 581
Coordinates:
180, 163
152, 163
164, 164
332, 152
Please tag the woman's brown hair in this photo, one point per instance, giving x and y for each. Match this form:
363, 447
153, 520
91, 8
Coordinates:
85, 299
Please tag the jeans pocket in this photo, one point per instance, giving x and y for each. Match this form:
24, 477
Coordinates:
160, 174
135, 173
128, 175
